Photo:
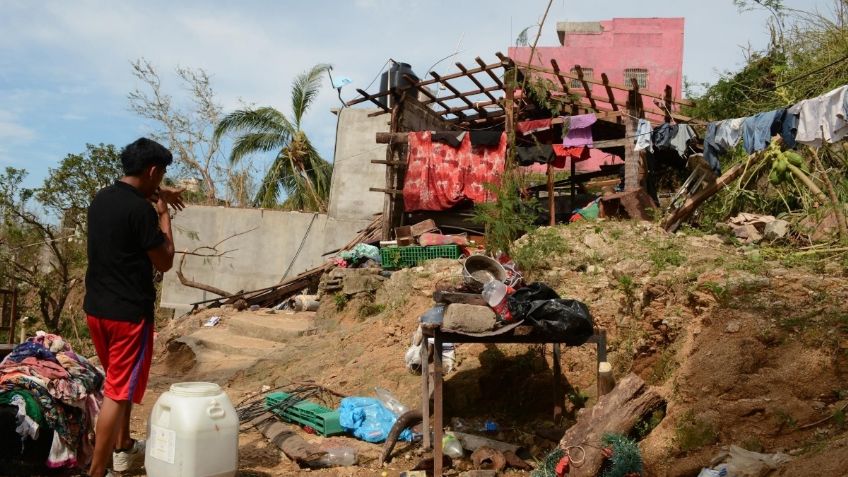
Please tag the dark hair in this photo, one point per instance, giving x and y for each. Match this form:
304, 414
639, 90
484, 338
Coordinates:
138, 155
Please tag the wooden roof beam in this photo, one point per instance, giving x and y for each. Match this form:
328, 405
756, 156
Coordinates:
457, 92
475, 81
371, 98
586, 88
491, 74
426, 92
541, 69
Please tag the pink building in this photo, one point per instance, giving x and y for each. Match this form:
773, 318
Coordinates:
648, 49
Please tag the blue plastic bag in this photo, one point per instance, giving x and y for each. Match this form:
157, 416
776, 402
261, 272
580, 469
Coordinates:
367, 419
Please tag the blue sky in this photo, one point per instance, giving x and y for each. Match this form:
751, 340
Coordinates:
65, 66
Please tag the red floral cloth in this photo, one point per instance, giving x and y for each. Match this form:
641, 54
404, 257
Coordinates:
439, 176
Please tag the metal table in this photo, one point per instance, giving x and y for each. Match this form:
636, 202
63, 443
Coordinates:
515, 334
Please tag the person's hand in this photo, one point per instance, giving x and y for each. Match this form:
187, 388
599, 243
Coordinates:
161, 206
172, 197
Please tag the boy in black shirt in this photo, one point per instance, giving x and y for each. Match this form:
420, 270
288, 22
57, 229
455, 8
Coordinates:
129, 233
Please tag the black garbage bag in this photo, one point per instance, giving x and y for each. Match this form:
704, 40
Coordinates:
554, 318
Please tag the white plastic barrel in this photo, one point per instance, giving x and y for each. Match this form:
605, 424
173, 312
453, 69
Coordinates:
192, 432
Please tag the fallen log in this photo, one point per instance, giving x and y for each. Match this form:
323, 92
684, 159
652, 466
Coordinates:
618, 412
293, 446
681, 214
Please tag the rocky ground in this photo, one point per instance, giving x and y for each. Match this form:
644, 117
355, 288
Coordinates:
748, 345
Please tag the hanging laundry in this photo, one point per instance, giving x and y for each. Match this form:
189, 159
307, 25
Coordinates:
662, 134
822, 119
484, 165
789, 128
563, 154
534, 125
757, 130
438, 176
729, 132
680, 141
643, 136
451, 138
578, 130
721, 137
485, 138
536, 154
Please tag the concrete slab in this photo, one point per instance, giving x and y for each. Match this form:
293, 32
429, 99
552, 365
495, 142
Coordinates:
274, 327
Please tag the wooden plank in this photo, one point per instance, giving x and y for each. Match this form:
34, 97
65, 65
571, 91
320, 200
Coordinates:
586, 88
608, 143
668, 103
457, 297
632, 157
564, 84
478, 107
433, 98
485, 90
458, 93
477, 82
438, 402
610, 94
391, 178
482, 68
391, 138
389, 163
373, 100
386, 191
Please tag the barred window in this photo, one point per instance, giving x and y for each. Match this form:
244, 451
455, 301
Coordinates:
588, 74
641, 75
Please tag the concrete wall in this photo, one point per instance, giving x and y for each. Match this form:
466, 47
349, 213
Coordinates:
259, 258
353, 173
655, 44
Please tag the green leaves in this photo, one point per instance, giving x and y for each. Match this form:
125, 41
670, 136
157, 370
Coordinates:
298, 170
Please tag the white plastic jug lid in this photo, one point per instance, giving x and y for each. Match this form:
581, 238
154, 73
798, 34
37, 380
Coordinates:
196, 389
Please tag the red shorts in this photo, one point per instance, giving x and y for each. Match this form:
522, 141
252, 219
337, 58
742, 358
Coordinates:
125, 350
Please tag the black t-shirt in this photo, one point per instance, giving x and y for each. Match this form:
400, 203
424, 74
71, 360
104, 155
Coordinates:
122, 227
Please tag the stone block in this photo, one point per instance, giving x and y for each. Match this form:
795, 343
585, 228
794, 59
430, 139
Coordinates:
469, 318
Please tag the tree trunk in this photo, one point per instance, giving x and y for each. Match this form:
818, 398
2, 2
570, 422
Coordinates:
617, 412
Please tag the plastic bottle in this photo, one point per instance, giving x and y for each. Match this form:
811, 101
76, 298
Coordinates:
434, 315
390, 402
338, 457
452, 447
495, 293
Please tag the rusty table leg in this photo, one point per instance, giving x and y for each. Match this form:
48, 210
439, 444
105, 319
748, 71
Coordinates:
425, 391
437, 404
558, 394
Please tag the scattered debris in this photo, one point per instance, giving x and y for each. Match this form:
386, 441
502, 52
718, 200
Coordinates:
212, 321
738, 462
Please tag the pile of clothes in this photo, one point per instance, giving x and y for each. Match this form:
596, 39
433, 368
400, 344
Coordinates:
54, 390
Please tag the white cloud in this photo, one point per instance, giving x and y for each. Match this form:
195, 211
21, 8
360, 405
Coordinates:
12, 130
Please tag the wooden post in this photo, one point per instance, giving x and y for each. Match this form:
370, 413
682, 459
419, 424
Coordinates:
509, 105
632, 157
438, 401
389, 200
573, 184
551, 198
425, 391
558, 394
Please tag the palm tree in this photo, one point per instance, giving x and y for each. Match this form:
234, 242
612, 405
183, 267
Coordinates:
298, 169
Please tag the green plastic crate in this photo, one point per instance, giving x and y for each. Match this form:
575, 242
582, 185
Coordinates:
324, 421
401, 257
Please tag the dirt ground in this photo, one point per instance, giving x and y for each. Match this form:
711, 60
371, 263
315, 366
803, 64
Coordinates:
747, 345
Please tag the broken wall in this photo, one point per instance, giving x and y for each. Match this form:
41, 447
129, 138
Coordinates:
277, 241
353, 172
